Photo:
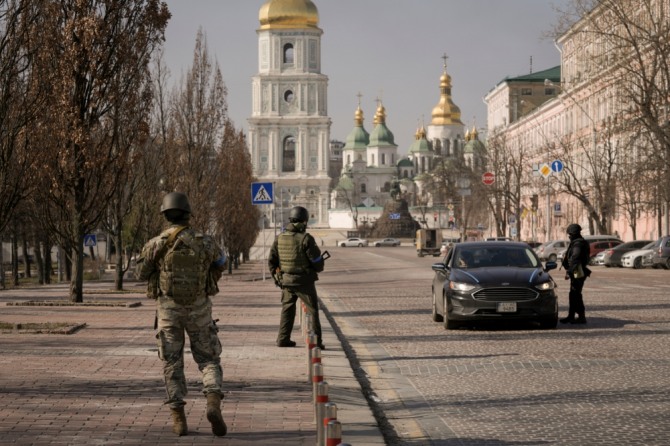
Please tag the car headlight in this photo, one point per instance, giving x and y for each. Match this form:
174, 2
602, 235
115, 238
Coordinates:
545, 286
460, 286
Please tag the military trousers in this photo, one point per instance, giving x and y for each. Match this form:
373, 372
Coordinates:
174, 322
290, 295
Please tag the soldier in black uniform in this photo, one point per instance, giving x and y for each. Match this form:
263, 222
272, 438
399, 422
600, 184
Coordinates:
575, 262
295, 261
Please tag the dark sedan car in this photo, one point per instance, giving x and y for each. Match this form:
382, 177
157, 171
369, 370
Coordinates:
484, 281
612, 256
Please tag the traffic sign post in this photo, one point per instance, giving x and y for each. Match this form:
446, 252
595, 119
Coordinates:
488, 178
262, 193
90, 240
557, 166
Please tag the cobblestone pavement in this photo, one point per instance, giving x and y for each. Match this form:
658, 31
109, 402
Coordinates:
603, 383
103, 384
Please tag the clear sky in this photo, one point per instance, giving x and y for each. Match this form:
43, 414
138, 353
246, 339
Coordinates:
390, 49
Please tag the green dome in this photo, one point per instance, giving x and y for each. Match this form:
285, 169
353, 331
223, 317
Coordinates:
474, 146
405, 162
420, 145
381, 136
358, 139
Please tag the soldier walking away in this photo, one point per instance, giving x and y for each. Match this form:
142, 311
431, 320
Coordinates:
295, 261
182, 267
576, 262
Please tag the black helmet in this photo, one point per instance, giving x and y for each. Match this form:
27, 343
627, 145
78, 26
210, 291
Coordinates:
298, 214
573, 229
175, 200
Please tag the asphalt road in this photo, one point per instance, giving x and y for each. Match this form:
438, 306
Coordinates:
607, 382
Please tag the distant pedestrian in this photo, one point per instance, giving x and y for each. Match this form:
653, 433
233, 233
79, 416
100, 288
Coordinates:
182, 267
576, 262
295, 261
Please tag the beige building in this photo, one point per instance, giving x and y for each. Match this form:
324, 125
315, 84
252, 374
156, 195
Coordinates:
582, 117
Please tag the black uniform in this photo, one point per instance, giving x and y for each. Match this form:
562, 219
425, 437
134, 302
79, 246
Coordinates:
576, 256
297, 259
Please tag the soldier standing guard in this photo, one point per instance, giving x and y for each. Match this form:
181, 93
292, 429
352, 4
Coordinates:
295, 261
182, 267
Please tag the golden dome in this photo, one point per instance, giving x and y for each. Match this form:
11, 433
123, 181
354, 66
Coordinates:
380, 115
446, 112
358, 117
288, 14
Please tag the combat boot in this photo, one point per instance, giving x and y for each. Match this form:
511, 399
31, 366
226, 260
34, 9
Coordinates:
214, 416
179, 426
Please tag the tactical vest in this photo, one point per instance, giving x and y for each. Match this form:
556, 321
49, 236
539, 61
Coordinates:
183, 273
292, 257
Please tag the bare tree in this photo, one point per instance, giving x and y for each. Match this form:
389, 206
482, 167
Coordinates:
95, 57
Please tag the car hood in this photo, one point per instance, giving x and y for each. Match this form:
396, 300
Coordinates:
508, 276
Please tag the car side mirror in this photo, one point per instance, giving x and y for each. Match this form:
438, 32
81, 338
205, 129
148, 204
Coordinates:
550, 265
439, 267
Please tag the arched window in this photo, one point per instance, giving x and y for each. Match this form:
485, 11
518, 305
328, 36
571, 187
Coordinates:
288, 53
288, 155
447, 148
348, 159
363, 188
438, 146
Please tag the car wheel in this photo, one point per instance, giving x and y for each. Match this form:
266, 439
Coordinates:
360, 245
342, 245
552, 257
637, 263
437, 317
377, 245
448, 324
549, 322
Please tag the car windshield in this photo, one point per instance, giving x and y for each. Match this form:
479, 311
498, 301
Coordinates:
495, 256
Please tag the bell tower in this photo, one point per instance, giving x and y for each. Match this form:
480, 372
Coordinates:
289, 128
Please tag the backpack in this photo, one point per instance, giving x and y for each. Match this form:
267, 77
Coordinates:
183, 274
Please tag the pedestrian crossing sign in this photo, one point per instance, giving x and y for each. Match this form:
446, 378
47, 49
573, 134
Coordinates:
261, 193
90, 240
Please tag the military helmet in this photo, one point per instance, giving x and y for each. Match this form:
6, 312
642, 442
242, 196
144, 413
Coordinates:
298, 214
573, 229
175, 200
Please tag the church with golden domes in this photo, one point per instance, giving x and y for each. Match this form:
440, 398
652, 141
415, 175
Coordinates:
289, 130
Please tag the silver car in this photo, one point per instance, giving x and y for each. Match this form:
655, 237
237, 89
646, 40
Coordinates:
640, 258
354, 241
548, 251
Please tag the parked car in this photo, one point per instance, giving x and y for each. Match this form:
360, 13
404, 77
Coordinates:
493, 281
354, 241
598, 259
550, 249
387, 242
661, 255
612, 256
640, 258
498, 239
533, 244
599, 246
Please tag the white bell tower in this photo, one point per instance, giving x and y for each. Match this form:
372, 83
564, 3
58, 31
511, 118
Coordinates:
289, 128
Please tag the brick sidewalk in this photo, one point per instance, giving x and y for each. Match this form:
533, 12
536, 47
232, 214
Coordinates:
103, 384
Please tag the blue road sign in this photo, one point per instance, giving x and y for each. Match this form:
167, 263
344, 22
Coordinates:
557, 166
90, 240
261, 193
394, 216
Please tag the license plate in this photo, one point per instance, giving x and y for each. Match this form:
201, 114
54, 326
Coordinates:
506, 307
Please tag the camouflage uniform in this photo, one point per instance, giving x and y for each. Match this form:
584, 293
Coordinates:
195, 318
296, 254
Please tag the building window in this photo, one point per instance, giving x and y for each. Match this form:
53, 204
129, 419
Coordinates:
549, 91
348, 159
383, 159
373, 159
288, 155
288, 96
288, 53
363, 188
526, 92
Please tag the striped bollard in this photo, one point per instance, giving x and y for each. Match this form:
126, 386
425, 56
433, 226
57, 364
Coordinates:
321, 400
311, 344
317, 377
333, 433
329, 414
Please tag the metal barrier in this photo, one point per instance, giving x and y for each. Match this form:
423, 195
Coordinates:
333, 433
319, 409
